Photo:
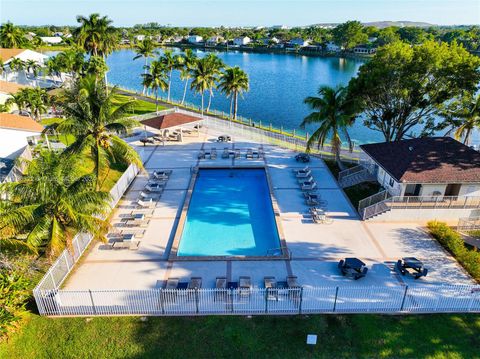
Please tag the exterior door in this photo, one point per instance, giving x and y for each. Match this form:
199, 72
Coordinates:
453, 189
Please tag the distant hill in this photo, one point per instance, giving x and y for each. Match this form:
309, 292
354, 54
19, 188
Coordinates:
383, 24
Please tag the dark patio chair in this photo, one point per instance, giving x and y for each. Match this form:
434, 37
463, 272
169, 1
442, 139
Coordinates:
423, 273
360, 275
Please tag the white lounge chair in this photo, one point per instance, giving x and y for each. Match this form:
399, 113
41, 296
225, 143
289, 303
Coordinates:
309, 186
146, 204
150, 196
302, 170
154, 187
303, 174
307, 179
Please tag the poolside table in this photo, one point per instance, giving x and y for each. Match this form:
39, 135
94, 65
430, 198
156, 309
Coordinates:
411, 263
302, 157
353, 266
232, 285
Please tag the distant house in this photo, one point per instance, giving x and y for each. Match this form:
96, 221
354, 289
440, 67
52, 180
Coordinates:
332, 47
194, 39
279, 27
364, 50
431, 173
270, 41
298, 41
21, 77
15, 130
7, 89
241, 41
139, 37
214, 41
51, 40
58, 34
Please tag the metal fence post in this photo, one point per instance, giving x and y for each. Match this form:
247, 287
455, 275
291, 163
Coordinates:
93, 304
196, 300
335, 302
53, 280
266, 300
162, 304
66, 261
301, 300
404, 297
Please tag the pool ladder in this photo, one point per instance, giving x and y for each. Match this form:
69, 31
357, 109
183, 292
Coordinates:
275, 251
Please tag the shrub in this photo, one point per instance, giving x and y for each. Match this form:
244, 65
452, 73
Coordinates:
453, 242
14, 292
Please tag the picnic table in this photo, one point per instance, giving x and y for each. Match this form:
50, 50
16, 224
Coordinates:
353, 267
403, 265
302, 157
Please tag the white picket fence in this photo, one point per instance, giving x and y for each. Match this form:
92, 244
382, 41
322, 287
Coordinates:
59, 270
180, 302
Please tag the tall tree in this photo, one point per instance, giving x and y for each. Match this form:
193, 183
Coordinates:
97, 36
403, 87
462, 117
334, 113
145, 49
12, 36
349, 34
216, 65
156, 79
33, 68
51, 203
203, 78
234, 81
189, 59
96, 118
171, 62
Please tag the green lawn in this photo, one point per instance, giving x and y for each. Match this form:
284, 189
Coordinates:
141, 107
353, 336
66, 139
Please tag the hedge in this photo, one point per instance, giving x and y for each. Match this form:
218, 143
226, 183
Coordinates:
453, 242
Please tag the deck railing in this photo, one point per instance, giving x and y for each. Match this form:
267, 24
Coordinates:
258, 301
421, 202
468, 224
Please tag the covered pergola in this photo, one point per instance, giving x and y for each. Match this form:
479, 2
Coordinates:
171, 126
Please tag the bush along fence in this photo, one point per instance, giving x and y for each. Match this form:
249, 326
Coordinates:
60, 269
274, 135
258, 301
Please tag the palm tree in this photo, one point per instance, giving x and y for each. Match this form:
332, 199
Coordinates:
203, 77
51, 203
16, 65
54, 67
189, 59
463, 117
33, 100
11, 36
95, 118
33, 68
96, 66
334, 114
72, 61
96, 36
2, 68
234, 81
216, 65
156, 79
171, 62
145, 49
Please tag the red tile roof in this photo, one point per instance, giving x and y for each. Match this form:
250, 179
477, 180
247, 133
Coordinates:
10, 87
7, 54
22, 123
427, 160
169, 120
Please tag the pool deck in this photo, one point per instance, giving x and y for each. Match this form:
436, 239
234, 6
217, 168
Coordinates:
315, 248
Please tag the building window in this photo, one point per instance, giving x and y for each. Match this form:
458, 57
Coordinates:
391, 183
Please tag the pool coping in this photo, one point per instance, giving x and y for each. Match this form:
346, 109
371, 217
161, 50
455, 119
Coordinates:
178, 229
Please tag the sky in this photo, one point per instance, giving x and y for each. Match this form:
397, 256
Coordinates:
240, 12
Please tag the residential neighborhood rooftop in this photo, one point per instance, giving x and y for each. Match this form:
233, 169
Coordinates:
17, 122
427, 160
10, 87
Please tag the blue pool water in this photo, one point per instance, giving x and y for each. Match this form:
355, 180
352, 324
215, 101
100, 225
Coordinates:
230, 214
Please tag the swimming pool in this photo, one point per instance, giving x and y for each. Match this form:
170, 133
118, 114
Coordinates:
230, 213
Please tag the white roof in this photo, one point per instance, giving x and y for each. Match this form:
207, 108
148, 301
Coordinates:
51, 39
